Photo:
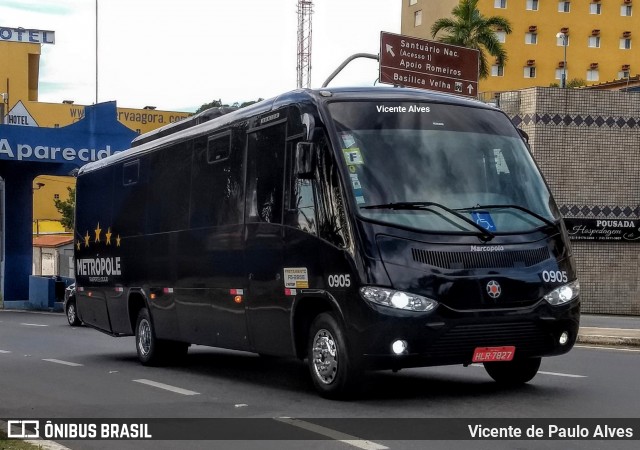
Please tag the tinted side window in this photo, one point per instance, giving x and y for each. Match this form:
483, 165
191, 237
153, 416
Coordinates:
217, 180
301, 210
332, 219
168, 195
130, 197
266, 174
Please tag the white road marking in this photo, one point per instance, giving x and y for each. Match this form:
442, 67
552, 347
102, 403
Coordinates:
167, 387
556, 374
333, 434
5, 351
34, 325
65, 363
600, 347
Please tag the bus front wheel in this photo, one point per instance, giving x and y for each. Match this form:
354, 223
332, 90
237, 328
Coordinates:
333, 370
513, 373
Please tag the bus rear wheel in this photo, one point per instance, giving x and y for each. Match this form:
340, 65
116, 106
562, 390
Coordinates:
333, 370
513, 373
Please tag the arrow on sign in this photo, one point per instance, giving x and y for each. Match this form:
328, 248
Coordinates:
470, 88
390, 50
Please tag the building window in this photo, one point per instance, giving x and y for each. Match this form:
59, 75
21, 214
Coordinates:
625, 10
595, 8
559, 73
501, 36
417, 18
531, 38
532, 5
56, 196
594, 41
623, 74
625, 43
592, 75
564, 7
412, 2
529, 72
500, 4
497, 71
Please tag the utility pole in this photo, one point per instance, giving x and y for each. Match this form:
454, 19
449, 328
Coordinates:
303, 67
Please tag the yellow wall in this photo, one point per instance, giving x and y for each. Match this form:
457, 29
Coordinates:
546, 53
14, 70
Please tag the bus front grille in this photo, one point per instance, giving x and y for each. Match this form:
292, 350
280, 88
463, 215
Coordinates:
481, 260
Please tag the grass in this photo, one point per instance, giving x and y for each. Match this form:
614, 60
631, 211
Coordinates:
15, 444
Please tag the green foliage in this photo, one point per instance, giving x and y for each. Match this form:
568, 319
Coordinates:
67, 208
468, 28
219, 104
572, 83
576, 82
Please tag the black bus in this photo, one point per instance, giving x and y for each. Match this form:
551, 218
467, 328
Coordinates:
361, 228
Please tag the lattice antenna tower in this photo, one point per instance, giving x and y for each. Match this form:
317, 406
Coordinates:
303, 68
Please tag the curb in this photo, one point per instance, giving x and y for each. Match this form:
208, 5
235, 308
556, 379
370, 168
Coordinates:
617, 341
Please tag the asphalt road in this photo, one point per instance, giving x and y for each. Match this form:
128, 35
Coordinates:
51, 370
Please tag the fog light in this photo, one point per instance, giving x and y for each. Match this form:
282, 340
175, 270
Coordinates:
399, 347
564, 338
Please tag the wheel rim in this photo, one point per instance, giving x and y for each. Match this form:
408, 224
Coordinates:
144, 337
325, 356
71, 313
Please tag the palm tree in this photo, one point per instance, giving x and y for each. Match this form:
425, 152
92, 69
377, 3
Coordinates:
468, 28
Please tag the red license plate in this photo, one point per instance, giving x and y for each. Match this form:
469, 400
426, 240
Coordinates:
487, 354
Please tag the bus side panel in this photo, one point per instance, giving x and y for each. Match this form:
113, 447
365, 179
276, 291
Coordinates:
209, 295
93, 251
167, 218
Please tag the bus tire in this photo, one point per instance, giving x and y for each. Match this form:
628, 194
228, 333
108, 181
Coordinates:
334, 371
151, 350
513, 373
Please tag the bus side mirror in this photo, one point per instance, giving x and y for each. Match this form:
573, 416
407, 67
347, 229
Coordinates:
310, 125
305, 160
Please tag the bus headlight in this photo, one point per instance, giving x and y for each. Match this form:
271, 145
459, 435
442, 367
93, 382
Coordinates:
563, 294
397, 299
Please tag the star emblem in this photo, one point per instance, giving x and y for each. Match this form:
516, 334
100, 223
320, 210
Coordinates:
108, 236
98, 231
87, 238
118, 241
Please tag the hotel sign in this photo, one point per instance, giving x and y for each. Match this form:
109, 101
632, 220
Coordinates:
27, 36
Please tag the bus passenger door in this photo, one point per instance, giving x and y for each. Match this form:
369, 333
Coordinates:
267, 306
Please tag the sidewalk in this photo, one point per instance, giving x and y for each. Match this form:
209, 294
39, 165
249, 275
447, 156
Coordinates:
609, 330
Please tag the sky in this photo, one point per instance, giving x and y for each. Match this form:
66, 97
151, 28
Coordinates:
179, 54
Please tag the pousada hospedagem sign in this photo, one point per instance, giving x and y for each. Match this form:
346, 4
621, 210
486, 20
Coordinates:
594, 229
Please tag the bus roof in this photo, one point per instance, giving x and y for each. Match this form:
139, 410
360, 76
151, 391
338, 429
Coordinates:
214, 118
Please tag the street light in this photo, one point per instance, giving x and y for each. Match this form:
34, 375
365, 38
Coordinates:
564, 66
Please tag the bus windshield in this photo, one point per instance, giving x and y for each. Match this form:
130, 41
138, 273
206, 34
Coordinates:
434, 166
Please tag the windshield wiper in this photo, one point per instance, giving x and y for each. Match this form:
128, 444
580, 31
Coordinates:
518, 207
484, 234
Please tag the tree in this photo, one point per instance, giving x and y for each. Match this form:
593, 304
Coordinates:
468, 28
219, 104
67, 208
